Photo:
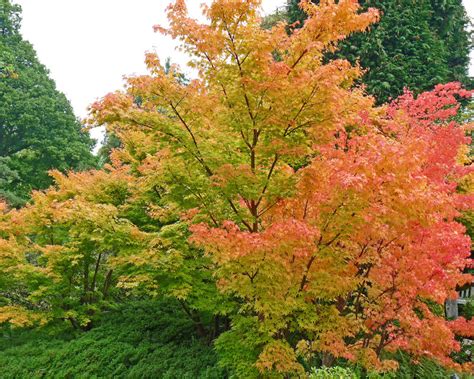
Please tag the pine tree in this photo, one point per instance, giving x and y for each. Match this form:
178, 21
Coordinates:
416, 44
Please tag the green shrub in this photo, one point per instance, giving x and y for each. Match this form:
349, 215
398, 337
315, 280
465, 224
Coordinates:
138, 340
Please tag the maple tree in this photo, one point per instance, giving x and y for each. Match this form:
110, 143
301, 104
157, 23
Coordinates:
59, 248
269, 195
331, 221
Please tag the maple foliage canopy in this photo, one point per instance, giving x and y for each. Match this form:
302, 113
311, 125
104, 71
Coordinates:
269, 192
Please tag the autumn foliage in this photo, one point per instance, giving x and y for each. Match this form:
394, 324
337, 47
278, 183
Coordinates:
269, 194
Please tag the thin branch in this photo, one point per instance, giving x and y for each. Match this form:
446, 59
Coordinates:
94, 279
305, 51
270, 173
267, 208
236, 211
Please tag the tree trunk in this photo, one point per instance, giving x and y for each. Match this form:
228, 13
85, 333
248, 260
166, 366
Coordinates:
327, 359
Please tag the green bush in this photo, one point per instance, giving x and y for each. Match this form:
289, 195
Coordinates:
138, 340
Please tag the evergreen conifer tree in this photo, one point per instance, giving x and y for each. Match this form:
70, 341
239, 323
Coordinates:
38, 129
417, 44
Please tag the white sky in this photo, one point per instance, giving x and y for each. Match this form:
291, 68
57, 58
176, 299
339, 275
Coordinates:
88, 45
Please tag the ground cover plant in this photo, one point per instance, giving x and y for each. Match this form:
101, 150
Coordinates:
139, 339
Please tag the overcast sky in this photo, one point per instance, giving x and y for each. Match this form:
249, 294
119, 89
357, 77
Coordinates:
88, 45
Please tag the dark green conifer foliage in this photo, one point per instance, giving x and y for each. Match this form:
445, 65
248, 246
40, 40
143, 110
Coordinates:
38, 130
416, 44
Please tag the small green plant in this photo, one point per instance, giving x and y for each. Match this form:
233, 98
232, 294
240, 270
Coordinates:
332, 373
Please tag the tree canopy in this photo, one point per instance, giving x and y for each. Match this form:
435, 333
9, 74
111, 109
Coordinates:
38, 129
294, 221
416, 44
